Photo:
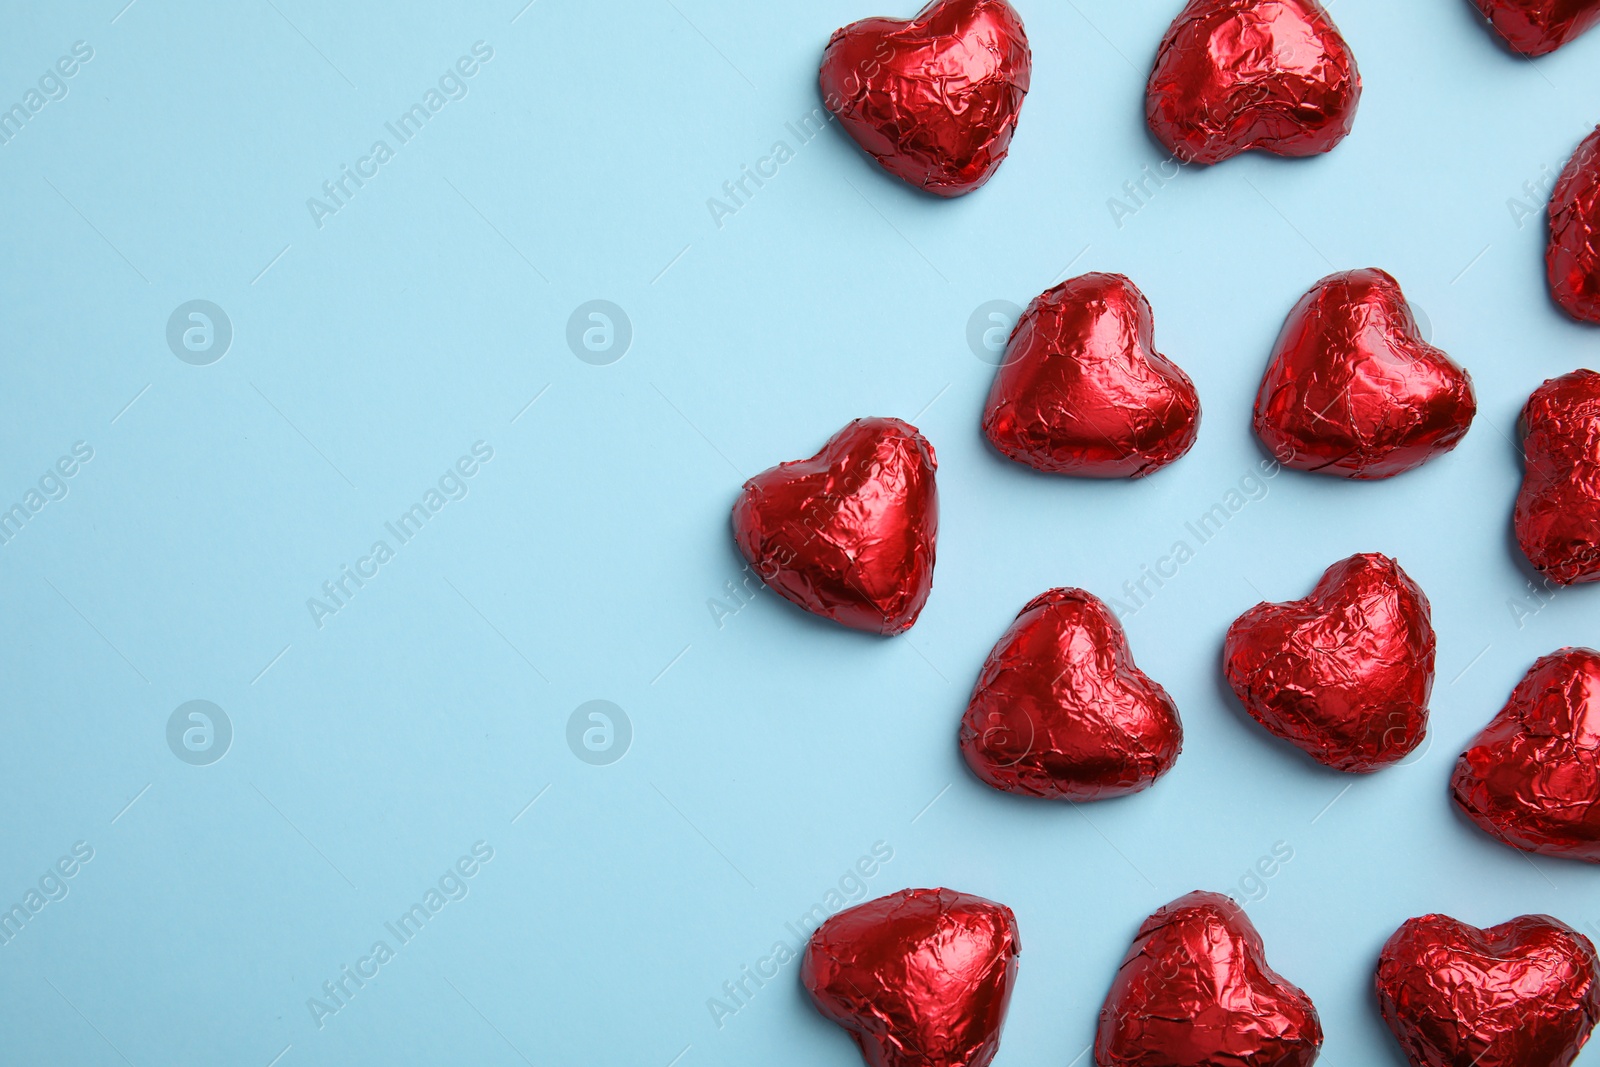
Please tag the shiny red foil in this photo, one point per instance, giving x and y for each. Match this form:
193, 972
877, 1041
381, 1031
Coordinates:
1557, 516
1521, 994
1233, 75
1195, 991
1343, 675
1354, 390
934, 99
849, 533
919, 978
1532, 777
1539, 27
1572, 259
1082, 389
1061, 712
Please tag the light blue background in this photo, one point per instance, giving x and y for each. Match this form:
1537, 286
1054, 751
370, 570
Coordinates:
772, 751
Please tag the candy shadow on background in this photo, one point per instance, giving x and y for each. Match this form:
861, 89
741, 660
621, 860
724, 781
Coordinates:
1261, 739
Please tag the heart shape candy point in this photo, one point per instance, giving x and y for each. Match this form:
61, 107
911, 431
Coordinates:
1539, 27
849, 533
1344, 674
919, 978
1557, 515
934, 99
1061, 712
1572, 258
1195, 990
1521, 994
1235, 75
1082, 389
1354, 390
1532, 777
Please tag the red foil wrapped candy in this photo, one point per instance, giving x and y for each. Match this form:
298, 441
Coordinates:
1539, 27
1061, 712
1572, 259
1233, 75
1082, 389
1557, 517
1354, 390
849, 533
919, 978
933, 99
1521, 994
1343, 675
1195, 991
1532, 777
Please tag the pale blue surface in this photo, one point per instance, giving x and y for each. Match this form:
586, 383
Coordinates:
775, 750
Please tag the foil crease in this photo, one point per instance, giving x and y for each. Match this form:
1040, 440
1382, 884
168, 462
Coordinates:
934, 99
1082, 390
1354, 390
919, 978
1345, 674
1061, 712
1557, 514
1539, 27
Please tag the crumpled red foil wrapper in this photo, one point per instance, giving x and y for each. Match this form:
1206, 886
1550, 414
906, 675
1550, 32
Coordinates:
1521, 994
1354, 390
933, 99
1061, 712
1082, 389
1235, 75
919, 978
1539, 27
1532, 777
1195, 991
1572, 259
1557, 515
849, 533
1344, 675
